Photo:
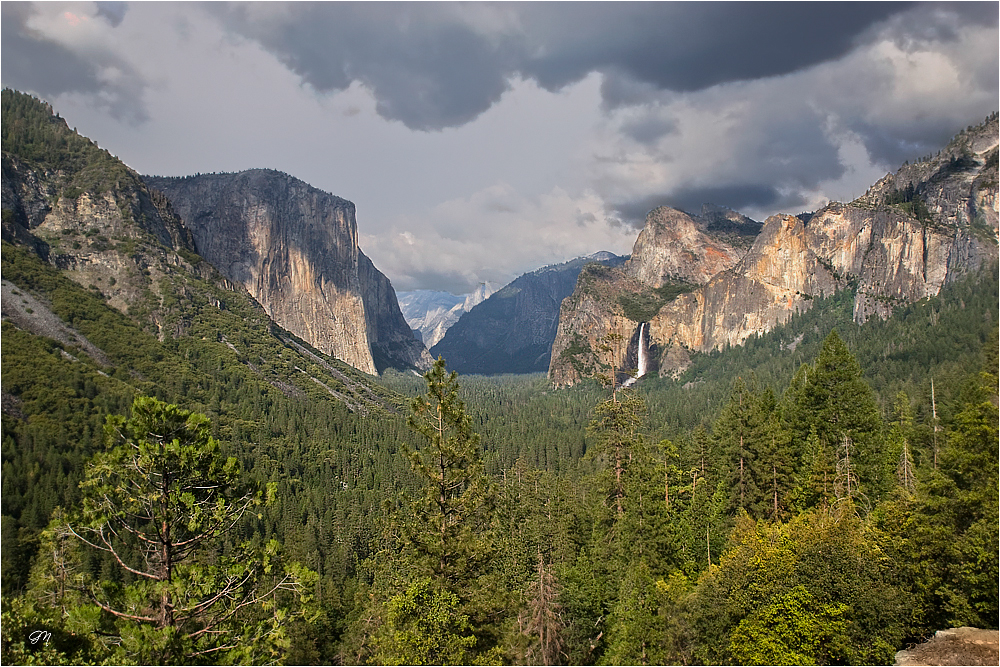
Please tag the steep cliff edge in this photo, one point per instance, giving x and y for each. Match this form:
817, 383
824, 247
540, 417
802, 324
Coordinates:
928, 224
83, 234
295, 249
392, 341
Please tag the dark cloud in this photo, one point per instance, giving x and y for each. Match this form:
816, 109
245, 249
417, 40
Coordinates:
435, 65
687, 46
793, 151
892, 145
737, 197
778, 146
113, 12
633, 213
424, 68
32, 62
691, 200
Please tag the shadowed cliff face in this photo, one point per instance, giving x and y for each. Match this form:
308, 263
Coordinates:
914, 231
295, 249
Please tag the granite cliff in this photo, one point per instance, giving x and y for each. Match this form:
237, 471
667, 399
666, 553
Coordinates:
674, 245
928, 224
294, 248
73, 211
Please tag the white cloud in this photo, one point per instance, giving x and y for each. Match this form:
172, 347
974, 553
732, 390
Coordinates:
493, 235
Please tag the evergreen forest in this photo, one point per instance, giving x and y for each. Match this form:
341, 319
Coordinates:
190, 484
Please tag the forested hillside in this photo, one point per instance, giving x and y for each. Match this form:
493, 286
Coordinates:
184, 482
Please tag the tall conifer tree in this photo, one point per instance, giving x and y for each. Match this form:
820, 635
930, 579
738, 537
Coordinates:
448, 535
833, 401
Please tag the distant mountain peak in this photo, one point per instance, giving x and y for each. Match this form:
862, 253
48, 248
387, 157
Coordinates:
512, 330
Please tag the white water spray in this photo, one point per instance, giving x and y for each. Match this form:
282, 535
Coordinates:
643, 355
643, 349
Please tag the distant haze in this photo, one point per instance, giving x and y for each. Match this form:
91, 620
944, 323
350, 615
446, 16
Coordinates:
480, 141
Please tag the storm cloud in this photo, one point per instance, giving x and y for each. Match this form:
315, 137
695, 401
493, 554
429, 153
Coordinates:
738, 197
482, 140
433, 66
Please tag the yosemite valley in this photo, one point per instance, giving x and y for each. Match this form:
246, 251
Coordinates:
745, 443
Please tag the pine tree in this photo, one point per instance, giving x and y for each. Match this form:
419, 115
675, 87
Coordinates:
448, 536
819, 472
745, 440
616, 426
832, 400
447, 531
898, 439
160, 505
541, 623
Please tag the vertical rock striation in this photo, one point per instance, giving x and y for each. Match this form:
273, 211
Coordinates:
295, 249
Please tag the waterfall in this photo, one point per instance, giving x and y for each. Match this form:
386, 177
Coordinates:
643, 350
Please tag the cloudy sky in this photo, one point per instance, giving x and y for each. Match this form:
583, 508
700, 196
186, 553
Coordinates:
481, 140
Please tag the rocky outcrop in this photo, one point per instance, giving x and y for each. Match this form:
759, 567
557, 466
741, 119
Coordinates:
955, 646
592, 326
81, 209
674, 253
295, 250
914, 231
512, 331
674, 245
779, 275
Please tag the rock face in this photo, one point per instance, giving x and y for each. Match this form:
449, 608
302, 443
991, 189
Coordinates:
914, 231
512, 331
84, 211
674, 254
295, 250
779, 273
39, 200
674, 245
955, 646
392, 342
